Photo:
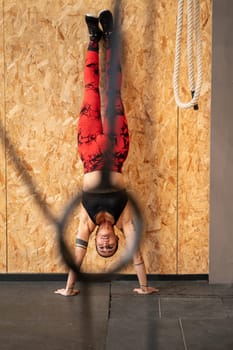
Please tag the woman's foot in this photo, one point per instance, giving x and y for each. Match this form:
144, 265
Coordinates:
106, 21
92, 22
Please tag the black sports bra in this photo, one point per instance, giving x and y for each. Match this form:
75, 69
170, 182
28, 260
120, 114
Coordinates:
112, 202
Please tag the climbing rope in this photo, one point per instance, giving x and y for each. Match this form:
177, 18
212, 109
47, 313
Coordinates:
193, 24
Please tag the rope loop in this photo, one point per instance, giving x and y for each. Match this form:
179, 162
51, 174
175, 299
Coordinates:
193, 24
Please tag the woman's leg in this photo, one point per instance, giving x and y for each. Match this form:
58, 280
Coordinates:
119, 131
90, 124
119, 126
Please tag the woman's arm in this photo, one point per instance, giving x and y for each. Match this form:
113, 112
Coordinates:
72, 278
85, 228
141, 274
128, 226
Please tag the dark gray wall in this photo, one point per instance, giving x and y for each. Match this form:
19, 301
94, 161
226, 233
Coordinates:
221, 182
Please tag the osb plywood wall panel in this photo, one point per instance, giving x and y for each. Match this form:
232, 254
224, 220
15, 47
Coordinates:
45, 43
148, 95
2, 156
193, 165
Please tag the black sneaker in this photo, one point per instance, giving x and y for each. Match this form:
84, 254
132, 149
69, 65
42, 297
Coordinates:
106, 21
95, 33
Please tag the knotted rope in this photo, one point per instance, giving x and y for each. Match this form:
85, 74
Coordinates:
193, 24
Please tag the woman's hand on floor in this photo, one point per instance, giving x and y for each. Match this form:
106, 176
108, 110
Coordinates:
146, 290
67, 292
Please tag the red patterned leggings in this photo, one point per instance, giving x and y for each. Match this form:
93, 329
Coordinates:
93, 137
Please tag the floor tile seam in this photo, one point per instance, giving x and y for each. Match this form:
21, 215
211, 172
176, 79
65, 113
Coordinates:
224, 306
160, 310
192, 297
223, 298
198, 319
109, 318
182, 334
194, 319
184, 295
180, 296
163, 318
227, 296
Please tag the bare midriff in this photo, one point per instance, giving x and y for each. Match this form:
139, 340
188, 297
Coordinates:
92, 180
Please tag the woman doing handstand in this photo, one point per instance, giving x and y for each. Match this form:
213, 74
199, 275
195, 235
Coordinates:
106, 207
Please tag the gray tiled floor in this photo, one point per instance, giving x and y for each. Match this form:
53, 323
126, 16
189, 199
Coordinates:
186, 315
192, 307
214, 334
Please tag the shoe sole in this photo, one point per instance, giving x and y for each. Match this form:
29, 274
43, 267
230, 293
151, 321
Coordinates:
104, 10
91, 16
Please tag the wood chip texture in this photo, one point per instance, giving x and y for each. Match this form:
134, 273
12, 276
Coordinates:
42, 50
